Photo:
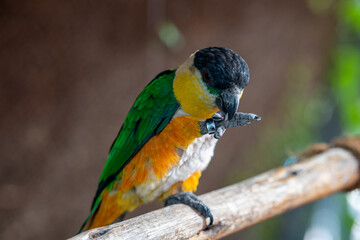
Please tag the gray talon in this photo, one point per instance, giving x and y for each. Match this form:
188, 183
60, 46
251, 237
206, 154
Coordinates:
192, 201
247, 116
232, 124
218, 116
219, 132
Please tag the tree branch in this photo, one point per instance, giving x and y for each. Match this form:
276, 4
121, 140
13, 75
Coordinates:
244, 204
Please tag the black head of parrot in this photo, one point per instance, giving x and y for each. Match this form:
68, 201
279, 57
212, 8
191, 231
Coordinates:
226, 72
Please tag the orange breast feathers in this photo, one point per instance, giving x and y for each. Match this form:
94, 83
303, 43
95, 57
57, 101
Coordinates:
159, 154
155, 158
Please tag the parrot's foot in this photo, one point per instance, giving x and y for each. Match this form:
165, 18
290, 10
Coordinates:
193, 201
218, 123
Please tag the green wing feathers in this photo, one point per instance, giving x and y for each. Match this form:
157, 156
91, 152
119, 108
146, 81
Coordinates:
151, 112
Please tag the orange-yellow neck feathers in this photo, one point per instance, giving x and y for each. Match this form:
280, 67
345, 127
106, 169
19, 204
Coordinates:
192, 94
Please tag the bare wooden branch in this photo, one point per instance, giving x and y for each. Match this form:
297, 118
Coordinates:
240, 205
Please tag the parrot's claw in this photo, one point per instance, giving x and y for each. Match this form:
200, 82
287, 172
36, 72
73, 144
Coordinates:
218, 123
218, 116
246, 116
219, 132
192, 201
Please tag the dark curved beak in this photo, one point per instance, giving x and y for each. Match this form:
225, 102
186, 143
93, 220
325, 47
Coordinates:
228, 101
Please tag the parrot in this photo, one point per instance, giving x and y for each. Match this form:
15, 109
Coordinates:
169, 135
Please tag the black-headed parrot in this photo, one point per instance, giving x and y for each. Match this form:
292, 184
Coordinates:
169, 135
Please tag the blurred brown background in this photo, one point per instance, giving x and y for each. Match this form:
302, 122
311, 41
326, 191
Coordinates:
71, 70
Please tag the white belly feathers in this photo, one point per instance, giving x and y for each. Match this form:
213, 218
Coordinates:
195, 158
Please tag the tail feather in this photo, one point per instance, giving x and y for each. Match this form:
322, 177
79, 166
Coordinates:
86, 225
103, 213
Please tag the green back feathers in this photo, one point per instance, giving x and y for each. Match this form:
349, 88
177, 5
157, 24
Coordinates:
151, 112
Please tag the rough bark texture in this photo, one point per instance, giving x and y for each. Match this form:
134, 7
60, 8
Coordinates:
241, 205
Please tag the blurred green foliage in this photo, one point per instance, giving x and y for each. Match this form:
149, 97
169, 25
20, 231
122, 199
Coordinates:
345, 82
345, 75
345, 79
349, 16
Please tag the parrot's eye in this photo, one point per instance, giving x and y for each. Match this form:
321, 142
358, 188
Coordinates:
206, 77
